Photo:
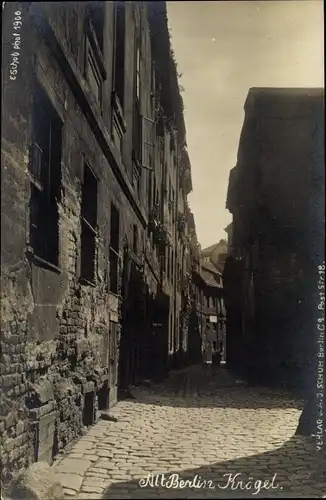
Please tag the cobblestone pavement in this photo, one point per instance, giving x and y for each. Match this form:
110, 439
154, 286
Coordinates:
200, 429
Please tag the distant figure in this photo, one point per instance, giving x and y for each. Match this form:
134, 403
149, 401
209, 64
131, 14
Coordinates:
222, 334
208, 348
218, 351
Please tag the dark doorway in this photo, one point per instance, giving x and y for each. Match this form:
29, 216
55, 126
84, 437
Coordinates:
160, 349
89, 409
103, 396
133, 324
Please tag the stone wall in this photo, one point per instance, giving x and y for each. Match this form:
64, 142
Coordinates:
55, 331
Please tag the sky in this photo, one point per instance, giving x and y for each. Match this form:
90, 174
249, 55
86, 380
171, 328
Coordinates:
223, 48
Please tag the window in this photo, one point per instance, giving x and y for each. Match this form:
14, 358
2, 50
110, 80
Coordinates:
171, 144
149, 193
136, 176
119, 52
137, 122
45, 173
135, 239
93, 76
148, 138
114, 248
88, 225
113, 353
94, 70
96, 15
154, 192
153, 94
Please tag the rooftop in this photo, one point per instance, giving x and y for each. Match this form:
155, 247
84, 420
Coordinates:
210, 279
207, 251
283, 102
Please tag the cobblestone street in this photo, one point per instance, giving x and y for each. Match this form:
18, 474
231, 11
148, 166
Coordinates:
198, 429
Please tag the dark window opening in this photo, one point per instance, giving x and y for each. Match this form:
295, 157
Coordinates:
149, 194
136, 135
88, 225
171, 144
154, 192
137, 75
135, 239
93, 76
119, 66
89, 409
45, 172
136, 173
153, 94
113, 354
114, 248
96, 14
103, 396
136, 132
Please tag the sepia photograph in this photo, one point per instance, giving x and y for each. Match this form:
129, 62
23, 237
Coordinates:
162, 250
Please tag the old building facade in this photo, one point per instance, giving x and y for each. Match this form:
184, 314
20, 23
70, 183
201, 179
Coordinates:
209, 299
95, 176
277, 243
216, 254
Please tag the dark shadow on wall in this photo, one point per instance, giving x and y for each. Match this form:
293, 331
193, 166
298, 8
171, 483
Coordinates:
296, 469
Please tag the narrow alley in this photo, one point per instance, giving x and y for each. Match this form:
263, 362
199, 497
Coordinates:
202, 430
162, 250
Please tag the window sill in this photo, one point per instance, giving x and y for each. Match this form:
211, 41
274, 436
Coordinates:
38, 261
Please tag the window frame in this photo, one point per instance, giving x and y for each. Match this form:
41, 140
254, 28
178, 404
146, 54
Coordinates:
93, 51
114, 251
137, 142
118, 5
47, 191
92, 24
94, 229
135, 239
91, 62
